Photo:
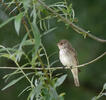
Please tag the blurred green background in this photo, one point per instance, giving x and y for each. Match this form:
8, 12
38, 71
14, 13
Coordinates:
92, 16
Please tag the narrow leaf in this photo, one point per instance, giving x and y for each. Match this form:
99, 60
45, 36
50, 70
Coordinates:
14, 81
20, 51
17, 22
7, 21
54, 62
48, 31
24, 90
104, 87
60, 80
53, 94
35, 91
104, 94
26, 4
37, 38
94, 98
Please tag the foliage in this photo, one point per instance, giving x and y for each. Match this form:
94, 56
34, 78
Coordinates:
102, 93
36, 20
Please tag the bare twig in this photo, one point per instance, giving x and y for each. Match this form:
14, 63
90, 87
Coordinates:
75, 27
54, 68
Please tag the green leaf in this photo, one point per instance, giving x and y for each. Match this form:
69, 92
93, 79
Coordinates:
7, 21
104, 87
24, 90
17, 22
22, 42
37, 38
33, 13
29, 42
20, 51
26, 4
97, 97
35, 91
104, 94
60, 80
53, 94
54, 62
8, 76
14, 81
62, 94
9, 56
4, 49
48, 31
94, 98
19, 54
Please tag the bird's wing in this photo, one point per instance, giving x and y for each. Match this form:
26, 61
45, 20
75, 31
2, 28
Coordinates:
73, 51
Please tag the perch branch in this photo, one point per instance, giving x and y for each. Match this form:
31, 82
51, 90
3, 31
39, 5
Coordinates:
75, 27
54, 68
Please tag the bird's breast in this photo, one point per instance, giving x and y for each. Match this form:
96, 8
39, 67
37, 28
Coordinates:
65, 57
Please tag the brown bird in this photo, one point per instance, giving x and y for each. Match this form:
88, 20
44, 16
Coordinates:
68, 57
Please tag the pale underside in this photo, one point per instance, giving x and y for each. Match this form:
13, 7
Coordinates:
67, 58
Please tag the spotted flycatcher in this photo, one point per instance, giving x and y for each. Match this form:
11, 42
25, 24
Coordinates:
68, 57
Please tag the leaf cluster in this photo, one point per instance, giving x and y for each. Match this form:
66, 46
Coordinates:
35, 18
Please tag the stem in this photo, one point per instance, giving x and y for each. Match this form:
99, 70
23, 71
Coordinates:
92, 60
43, 68
48, 63
99, 95
54, 68
24, 23
25, 74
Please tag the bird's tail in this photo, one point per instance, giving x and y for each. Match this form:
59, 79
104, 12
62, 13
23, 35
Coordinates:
75, 76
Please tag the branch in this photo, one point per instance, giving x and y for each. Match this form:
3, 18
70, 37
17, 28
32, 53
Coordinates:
54, 68
75, 27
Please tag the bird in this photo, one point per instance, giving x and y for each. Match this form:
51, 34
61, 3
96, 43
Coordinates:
68, 57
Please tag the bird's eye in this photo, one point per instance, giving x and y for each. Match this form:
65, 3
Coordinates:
61, 43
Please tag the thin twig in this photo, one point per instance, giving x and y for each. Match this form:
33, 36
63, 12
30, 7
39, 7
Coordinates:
55, 68
25, 74
75, 27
